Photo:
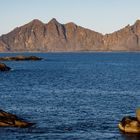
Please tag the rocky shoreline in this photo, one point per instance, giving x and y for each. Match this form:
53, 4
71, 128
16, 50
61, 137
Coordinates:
8, 119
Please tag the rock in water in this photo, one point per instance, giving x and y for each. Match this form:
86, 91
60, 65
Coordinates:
130, 124
4, 67
8, 119
20, 58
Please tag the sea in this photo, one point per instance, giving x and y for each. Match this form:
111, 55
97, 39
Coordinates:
71, 96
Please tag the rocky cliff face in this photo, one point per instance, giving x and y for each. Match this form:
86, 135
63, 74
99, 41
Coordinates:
53, 37
126, 39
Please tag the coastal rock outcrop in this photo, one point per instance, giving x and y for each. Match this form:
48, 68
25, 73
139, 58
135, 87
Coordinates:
56, 37
20, 58
4, 67
8, 119
130, 124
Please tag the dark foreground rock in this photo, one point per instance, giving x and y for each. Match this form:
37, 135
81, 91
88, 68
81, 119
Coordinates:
8, 119
4, 67
20, 58
131, 124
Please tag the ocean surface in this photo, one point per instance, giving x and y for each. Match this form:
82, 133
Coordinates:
71, 96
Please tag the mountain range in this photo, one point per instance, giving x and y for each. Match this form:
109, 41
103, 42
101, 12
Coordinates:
36, 36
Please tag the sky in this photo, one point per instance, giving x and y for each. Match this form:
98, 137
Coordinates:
104, 16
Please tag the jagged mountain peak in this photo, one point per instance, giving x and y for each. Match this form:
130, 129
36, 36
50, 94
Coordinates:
137, 22
71, 24
136, 27
53, 21
35, 22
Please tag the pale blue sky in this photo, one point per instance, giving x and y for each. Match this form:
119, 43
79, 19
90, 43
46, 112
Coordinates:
104, 16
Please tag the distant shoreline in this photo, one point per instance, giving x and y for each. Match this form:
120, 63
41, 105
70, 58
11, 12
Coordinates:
73, 52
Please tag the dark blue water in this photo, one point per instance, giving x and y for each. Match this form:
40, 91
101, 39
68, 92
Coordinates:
71, 96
